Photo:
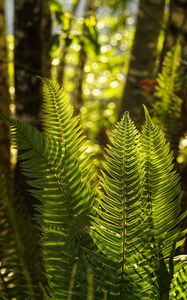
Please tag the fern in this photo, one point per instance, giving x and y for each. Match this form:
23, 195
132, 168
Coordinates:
163, 185
59, 122
121, 228
163, 192
114, 240
167, 107
63, 187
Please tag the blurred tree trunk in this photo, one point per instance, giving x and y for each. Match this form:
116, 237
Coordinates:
88, 13
28, 59
176, 28
142, 67
32, 36
4, 92
46, 33
67, 43
80, 79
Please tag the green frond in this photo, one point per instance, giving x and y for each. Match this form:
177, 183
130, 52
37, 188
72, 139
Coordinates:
19, 256
168, 78
59, 122
121, 228
162, 187
62, 194
167, 107
56, 111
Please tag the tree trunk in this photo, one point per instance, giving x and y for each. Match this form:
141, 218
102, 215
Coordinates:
142, 67
4, 92
176, 28
28, 59
31, 38
67, 43
79, 77
46, 33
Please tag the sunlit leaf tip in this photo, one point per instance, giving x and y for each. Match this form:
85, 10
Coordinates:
147, 115
126, 114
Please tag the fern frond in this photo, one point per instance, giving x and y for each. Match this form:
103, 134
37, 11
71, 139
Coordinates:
19, 256
56, 111
162, 188
59, 189
167, 107
59, 122
121, 228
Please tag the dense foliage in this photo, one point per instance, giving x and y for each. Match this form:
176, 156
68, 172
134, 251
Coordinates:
108, 238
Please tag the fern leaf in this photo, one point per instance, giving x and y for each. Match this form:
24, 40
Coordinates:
164, 195
162, 186
167, 107
120, 227
59, 122
57, 110
62, 196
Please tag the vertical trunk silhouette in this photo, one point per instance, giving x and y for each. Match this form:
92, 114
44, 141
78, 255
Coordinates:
142, 65
80, 79
67, 43
82, 60
28, 59
176, 29
30, 54
4, 92
46, 33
